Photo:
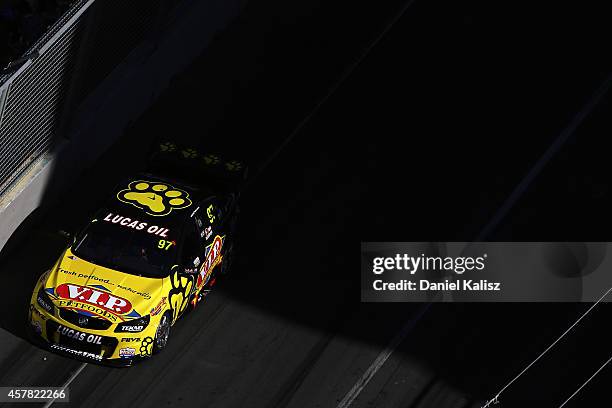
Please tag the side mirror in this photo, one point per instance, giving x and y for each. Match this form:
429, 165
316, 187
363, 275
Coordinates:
67, 236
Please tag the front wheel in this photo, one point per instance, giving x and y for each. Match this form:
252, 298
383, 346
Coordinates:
162, 334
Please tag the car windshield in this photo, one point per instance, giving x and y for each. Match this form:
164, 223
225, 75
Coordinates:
126, 249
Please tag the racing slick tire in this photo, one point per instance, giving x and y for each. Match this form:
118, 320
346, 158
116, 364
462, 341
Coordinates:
162, 334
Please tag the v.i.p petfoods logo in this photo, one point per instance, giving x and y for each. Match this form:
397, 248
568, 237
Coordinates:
154, 198
95, 301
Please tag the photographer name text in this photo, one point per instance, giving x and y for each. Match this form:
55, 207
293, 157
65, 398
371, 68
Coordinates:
446, 285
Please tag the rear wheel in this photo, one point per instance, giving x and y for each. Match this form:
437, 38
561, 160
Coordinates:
162, 334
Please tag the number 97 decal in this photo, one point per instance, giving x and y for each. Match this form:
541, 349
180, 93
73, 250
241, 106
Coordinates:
165, 244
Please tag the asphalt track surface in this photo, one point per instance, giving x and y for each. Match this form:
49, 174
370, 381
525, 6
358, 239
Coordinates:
423, 141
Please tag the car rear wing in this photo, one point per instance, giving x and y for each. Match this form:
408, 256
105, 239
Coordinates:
190, 164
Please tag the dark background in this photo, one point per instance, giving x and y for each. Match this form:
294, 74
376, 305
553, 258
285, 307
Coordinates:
424, 141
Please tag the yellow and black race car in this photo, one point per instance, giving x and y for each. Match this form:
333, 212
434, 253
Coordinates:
150, 254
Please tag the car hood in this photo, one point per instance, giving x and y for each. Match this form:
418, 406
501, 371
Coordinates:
93, 290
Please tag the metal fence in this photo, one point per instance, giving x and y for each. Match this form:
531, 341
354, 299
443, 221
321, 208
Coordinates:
61, 69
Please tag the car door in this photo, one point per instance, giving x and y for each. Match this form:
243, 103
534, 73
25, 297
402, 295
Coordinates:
183, 276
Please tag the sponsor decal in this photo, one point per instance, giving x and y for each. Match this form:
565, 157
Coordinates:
211, 160
76, 352
80, 336
127, 352
146, 347
207, 232
155, 311
92, 296
83, 320
130, 339
154, 198
137, 225
209, 212
143, 294
178, 296
189, 153
196, 262
132, 328
44, 303
233, 165
37, 312
82, 275
213, 258
167, 147
105, 314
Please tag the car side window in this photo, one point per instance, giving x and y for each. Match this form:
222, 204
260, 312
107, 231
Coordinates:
189, 253
197, 218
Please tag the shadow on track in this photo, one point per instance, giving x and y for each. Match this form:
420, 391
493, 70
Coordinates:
28, 253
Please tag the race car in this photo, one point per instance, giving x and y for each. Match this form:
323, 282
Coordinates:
145, 258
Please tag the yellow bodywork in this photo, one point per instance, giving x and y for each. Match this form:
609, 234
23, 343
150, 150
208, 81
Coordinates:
111, 296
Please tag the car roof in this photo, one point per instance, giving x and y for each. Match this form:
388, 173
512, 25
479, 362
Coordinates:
129, 199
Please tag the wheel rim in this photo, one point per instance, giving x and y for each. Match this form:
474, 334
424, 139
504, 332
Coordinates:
163, 332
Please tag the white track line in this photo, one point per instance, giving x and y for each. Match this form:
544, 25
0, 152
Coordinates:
381, 359
344, 76
549, 347
576, 121
552, 150
585, 383
67, 383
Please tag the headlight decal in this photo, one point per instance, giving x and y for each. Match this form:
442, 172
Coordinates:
44, 301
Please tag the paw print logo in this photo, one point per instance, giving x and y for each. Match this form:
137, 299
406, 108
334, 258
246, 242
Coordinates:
146, 347
233, 165
179, 294
189, 153
154, 198
211, 160
167, 147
